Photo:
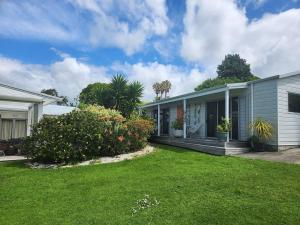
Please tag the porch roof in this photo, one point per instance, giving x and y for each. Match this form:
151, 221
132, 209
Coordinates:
17, 97
195, 94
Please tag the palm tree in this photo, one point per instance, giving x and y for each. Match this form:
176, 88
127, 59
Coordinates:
161, 89
156, 88
119, 89
134, 94
167, 86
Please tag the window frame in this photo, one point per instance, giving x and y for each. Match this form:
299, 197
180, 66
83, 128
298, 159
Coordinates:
13, 126
294, 94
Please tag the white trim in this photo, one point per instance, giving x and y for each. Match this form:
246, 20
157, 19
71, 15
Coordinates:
31, 92
184, 118
19, 99
182, 97
227, 100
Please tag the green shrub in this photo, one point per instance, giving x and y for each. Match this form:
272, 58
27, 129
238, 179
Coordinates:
225, 126
138, 131
73, 137
81, 135
177, 124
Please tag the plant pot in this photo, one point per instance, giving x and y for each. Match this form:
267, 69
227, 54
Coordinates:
178, 133
222, 136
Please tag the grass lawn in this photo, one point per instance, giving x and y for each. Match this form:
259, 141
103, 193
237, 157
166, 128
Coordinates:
192, 188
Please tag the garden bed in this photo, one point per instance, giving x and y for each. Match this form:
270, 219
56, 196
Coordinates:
102, 160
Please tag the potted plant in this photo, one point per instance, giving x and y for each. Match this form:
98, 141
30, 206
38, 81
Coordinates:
177, 125
262, 133
223, 129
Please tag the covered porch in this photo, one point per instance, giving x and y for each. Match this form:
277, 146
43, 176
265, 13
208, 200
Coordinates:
201, 112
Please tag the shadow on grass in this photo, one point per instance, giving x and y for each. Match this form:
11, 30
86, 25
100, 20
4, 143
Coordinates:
16, 164
172, 148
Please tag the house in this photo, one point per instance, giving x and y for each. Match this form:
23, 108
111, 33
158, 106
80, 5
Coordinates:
275, 99
20, 109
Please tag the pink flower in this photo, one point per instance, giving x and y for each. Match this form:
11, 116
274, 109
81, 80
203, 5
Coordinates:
121, 138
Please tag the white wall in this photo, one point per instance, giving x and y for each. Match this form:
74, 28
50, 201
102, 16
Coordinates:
288, 122
265, 104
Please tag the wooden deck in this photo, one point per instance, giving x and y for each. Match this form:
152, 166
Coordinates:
211, 146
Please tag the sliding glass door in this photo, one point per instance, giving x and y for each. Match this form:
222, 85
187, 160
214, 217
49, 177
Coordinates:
215, 112
211, 118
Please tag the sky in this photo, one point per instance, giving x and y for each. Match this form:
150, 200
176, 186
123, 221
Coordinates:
68, 44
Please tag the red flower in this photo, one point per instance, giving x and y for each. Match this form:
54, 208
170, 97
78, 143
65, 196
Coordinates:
121, 138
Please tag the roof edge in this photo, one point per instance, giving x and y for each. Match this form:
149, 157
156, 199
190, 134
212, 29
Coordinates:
31, 92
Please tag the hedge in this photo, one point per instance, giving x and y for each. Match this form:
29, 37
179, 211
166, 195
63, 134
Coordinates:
86, 134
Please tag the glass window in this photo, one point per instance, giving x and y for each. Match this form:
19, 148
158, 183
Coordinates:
294, 102
20, 129
6, 129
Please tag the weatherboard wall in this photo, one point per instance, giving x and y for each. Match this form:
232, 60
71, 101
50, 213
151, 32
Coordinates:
288, 122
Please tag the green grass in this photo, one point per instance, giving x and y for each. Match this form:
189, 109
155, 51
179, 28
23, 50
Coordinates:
192, 188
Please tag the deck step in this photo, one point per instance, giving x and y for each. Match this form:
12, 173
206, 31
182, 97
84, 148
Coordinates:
215, 150
235, 151
214, 147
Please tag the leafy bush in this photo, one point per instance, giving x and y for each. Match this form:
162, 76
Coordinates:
138, 131
263, 132
225, 126
80, 135
177, 124
262, 129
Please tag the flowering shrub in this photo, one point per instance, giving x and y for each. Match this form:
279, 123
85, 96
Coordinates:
138, 130
81, 135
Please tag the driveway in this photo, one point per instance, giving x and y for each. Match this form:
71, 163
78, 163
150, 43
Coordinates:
11, 158
288, 156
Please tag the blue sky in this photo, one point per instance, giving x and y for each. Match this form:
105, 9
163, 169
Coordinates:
69, 44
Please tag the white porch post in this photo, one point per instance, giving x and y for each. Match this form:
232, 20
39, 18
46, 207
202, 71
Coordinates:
158, 120
40, 111
29, 122
184, 118
227, 108
252, 100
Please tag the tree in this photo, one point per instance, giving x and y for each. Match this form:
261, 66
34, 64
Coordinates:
50, 91
156, 88
119, 94
166, 86
119, 91
133, 97
234, 66
54, 92
163, 87
233, 69
96, 93
219, 81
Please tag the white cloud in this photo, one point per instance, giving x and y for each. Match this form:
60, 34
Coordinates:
215, 28
69, 76
182, 80
107, 23
22, 19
